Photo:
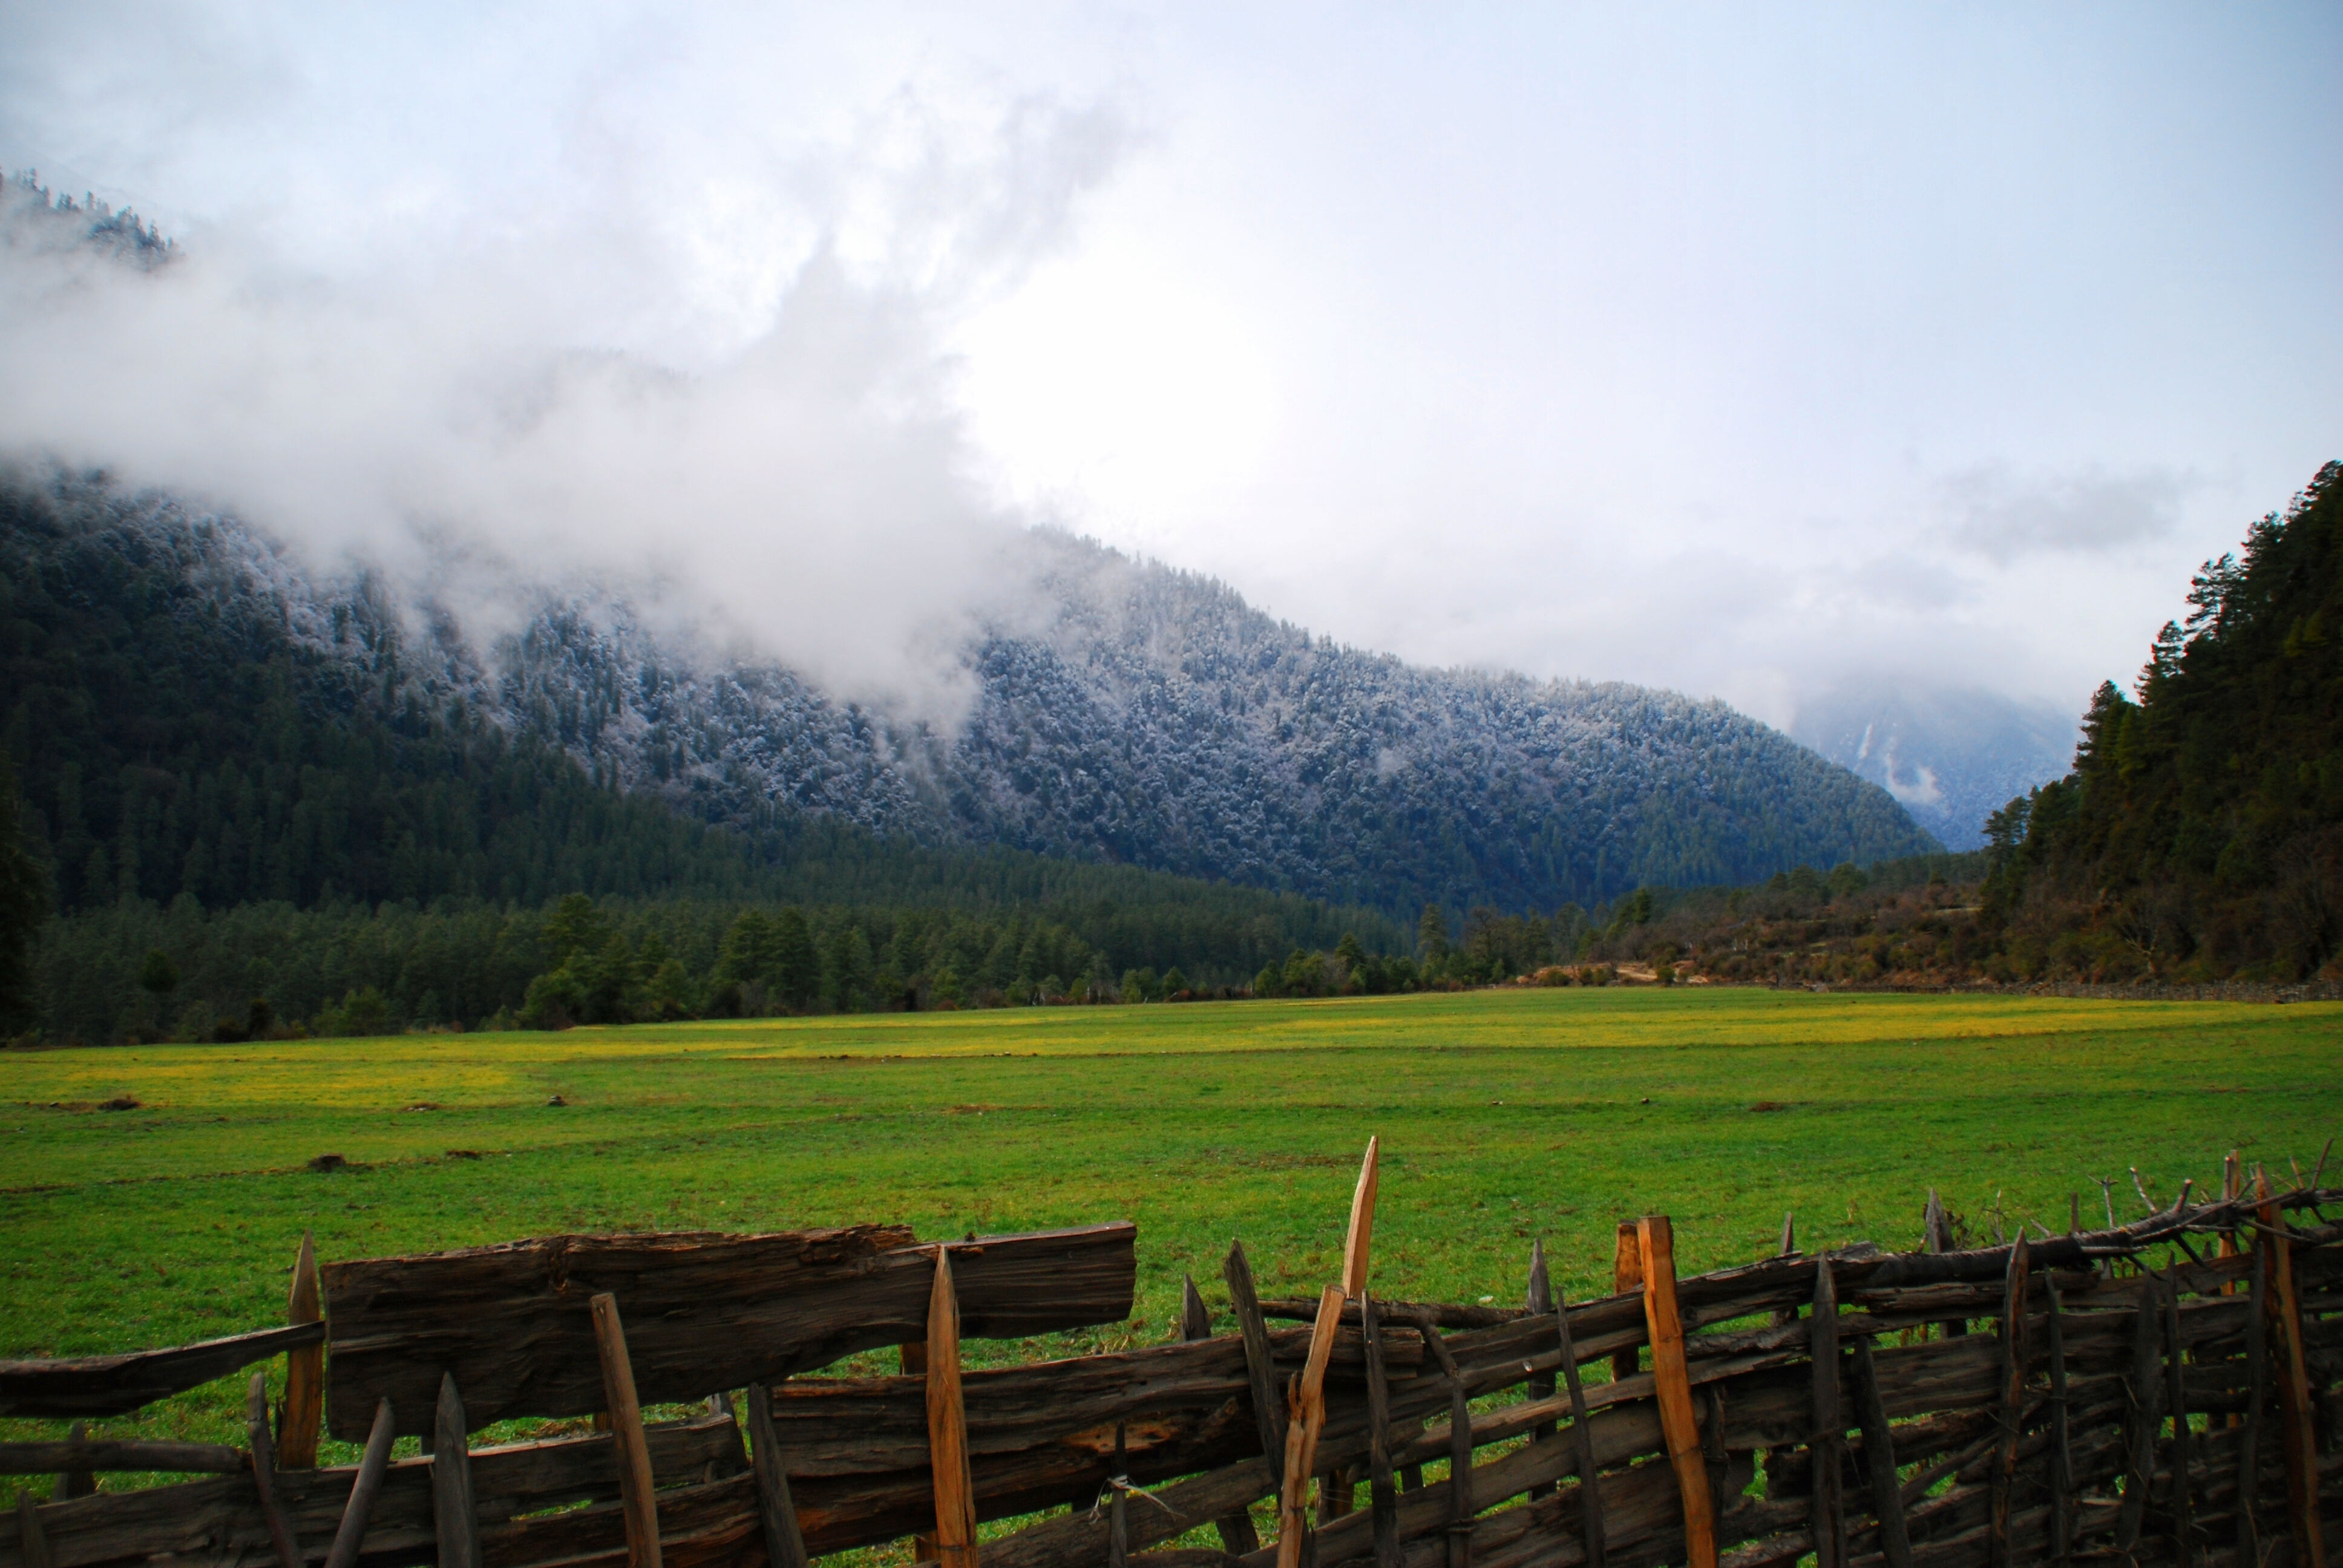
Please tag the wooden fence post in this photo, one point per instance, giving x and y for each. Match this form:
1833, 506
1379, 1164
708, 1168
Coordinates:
1590, 1494
455, 1523
2176, 1395
637, 1495
2294, 1408
1382, 1494
1671, 1379
1936, 1233
784, 1541
1789, 1249
2147, 1415
1195, 1318
351, 1536
263, 1472
2062, 1448
32, 1540
1627, 1279
1118, 1507
2012, 1399
73, 1484
1260, 1371
305, 1370
1308, 1412
2258, 1392
1879, 1455
1826, 1446
1237, 1533
947, 1424
1537, 1301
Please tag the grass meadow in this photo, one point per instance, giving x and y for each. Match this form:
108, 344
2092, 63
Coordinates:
1504, 1115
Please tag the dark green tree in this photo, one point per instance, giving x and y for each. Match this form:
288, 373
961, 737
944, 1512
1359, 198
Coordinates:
795, 973
23, 899
1432, 936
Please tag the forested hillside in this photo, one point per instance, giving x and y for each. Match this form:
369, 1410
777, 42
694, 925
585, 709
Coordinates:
197, 712
2201, 831
188, 739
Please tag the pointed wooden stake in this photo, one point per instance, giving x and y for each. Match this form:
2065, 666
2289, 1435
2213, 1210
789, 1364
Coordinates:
1827, 1445
1590, 1494
2257, 1392
2147, 1414
2294, 1406
2013, 1402
1307, 1402
73, 1484
305, 1371
2062, 1446
364, 1488
1237, 1533
1362, 1224
1195, 1318
784, 1541
1672, 1379
1261, 1372
1537, 1301
947, 1425
1627, 1279
456, 1524
264, 1473
1879, 1455
1382, 1496
2176, 1395
637, 1497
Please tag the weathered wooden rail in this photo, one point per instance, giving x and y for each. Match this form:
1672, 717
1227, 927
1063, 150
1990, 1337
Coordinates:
2167, 1391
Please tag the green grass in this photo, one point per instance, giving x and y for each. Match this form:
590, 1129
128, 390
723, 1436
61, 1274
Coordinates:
1504, 1115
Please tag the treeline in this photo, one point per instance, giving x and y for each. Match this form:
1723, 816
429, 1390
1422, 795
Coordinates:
136, 970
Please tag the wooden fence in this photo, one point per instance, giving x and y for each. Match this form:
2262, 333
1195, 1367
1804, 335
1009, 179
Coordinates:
2165, 1391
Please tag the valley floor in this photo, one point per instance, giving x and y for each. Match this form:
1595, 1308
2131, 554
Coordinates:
1504, 1114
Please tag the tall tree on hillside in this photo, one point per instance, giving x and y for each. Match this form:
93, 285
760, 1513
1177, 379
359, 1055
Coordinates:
2201, 832
1432, 935
23, 899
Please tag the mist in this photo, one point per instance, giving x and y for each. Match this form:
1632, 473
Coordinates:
1735, 351
802, 496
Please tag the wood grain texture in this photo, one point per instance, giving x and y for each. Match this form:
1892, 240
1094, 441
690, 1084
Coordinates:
1305, 1419
1656, 1248
1358, 1237
117, 1384
955, 1493
304, 1407
709, 1310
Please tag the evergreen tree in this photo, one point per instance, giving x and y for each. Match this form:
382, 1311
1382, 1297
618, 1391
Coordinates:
23, 899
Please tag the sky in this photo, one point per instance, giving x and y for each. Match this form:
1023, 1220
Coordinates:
1751, 351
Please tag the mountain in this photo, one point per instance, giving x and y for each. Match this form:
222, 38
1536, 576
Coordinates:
1149, 717
2201, 834
1951, 756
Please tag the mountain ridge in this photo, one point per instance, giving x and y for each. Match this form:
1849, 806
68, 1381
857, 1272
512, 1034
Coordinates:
1153, 719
